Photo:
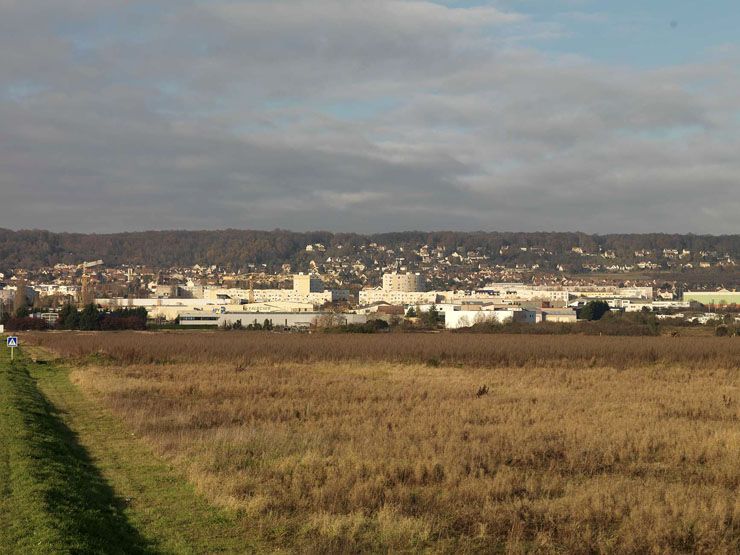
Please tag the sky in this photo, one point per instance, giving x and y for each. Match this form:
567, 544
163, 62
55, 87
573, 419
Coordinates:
370, 115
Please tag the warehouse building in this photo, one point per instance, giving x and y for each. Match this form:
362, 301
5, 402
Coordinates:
723, 297
287, 320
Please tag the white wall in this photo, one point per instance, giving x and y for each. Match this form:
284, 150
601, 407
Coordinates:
278, 319
465, 318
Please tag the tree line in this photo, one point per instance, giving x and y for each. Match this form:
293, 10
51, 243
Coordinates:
235, 249
90, 318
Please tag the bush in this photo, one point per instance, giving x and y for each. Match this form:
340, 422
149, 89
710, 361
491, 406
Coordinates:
610, 324
112, 322
22, 312
371, 326
593, 310
27, 324
69, 318
90, 318
431, 319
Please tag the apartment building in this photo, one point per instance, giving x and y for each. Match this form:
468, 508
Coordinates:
305, 284
370, 296
406, 283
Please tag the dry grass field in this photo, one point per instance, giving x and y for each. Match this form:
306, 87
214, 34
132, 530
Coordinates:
443, 443
481, 350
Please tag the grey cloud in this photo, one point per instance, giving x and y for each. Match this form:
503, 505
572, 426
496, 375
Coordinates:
209, 115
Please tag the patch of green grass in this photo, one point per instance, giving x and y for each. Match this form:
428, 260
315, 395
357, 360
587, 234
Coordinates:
74, 480
52, 497
159, 502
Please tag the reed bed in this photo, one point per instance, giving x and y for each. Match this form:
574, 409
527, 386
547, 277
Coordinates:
479, 350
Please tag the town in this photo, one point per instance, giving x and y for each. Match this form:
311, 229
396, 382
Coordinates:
373, 282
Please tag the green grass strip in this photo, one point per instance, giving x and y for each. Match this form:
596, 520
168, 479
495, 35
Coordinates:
159, 501
52, 498
73, 480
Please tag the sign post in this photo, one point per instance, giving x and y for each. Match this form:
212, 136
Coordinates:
12, 342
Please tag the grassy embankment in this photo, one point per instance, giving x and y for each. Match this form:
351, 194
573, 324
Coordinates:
52, 498
443, 442
72, 480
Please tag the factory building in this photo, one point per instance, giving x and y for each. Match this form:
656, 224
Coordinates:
722, 297
288, 320
455, 319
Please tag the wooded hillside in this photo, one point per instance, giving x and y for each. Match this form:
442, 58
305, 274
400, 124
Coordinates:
233, 248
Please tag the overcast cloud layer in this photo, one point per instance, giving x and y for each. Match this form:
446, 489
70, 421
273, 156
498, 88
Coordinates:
352, 115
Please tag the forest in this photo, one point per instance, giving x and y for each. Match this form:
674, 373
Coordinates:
235, 249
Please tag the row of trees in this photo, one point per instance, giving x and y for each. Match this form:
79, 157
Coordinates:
266, 326
18, 317
90, 318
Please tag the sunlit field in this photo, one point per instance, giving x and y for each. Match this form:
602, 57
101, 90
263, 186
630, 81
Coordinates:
446, 443
482, 350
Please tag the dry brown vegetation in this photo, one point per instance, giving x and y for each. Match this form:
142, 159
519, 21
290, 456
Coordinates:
429, 348
345, 444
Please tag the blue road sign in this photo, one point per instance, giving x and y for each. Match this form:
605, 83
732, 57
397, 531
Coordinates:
12, 341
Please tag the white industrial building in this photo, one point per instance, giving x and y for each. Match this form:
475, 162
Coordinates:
455, 319
407, 289
560, 315
276, 295
278, 306
521, 292
713, 298
167, 309
307, 288
557, 293
632, 305
307, 295
612, 291
277, 319
637, 306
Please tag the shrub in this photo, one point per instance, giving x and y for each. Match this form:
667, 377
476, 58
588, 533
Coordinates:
371, 326
593, 310
90, 318
27, 324
112, 322
22, 312
69, 318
